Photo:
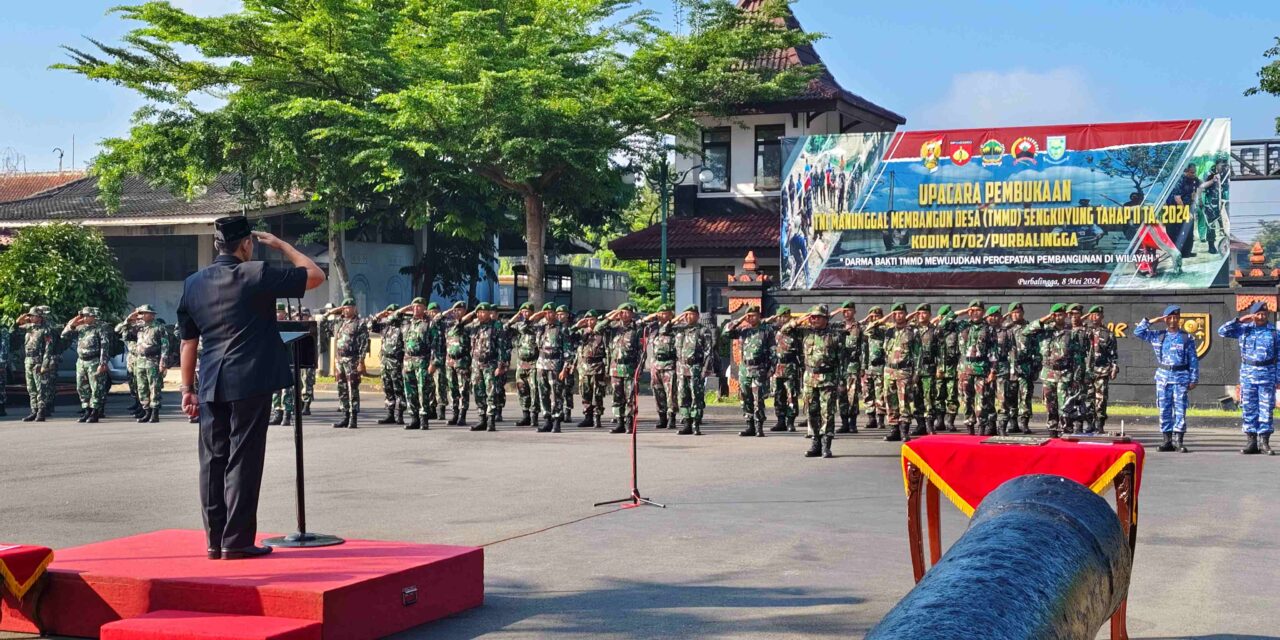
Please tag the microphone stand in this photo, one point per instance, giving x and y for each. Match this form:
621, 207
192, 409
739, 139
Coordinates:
635, 499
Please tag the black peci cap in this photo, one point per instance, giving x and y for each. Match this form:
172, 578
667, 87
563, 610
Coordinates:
231, 229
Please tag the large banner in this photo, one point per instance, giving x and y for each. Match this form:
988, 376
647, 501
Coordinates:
1138, 205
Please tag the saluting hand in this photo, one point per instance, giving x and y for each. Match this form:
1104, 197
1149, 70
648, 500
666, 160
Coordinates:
267, 240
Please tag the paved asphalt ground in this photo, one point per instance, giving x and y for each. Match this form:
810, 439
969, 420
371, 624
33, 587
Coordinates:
756, 542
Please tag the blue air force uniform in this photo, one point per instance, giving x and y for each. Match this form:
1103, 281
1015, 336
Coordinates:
1259, 373
1178, 369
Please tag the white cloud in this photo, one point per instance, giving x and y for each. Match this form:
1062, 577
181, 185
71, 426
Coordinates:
208, 7
1010, 98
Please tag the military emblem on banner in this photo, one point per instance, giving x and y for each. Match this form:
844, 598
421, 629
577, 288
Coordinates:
1024, 150
992, 152
1055, 148
931, 153
1197, 324
961, 152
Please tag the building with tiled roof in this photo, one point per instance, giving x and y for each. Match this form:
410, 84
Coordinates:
714, 224
20, 186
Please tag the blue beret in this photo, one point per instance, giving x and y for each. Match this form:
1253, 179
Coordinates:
1171, 309
1257, 307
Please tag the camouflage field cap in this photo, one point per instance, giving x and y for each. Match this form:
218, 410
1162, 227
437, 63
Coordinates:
817, 310
145, 308
37, 311
784, 310
89, 311
755, 308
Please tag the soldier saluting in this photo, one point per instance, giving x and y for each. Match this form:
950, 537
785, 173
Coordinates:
823, 346
1259, 374
977, 341
351, 344
457, 363
947, 401
786, 379
623, 335
1178, 372
37, 350
1023, 357
1062, 360
489, 356
92, 352
660, 343
591, 359
421, 357
1101, 367
756, 339
387, 323
850, 391
555, 361
695, 347
523, 334
925, 396
152, 348
902, 359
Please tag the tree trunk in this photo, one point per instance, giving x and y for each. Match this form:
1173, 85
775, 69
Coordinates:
535, 234
337, 258
473, 283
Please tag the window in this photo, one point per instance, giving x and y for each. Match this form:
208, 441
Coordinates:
769, 156
155, 258
715, 158
715, 295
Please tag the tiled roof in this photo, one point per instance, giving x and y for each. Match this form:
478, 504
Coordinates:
825, 86
20, 186
139, 201
703, 236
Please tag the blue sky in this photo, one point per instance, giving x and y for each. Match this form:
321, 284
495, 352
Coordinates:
940, 64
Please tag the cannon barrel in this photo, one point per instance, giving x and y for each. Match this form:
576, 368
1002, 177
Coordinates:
1044, 558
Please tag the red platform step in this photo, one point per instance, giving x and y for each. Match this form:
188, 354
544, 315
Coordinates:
363, 589
191, 625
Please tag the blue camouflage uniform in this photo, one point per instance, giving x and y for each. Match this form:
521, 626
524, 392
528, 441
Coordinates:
1178, 368
1259, 371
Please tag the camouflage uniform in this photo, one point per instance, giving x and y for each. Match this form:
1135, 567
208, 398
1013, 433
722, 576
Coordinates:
660, 345
308, 375
93, 350
37, 347
823, 368
925, 403
439, 380
351, 344
1063, 358
757, 347
624, 340
130, 357
1077, 407
902, 358
695, 350
1023, 369
50, 373
391, 328
489, 353
1101, 366
457, 367
977, 359
153, 349
1006, 385
592, 382
555, 356
4, 367
423, 347
523, 336
850, 391
947, 398
873, 379
786, 384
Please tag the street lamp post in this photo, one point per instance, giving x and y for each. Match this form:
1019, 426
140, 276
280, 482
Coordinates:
665, 183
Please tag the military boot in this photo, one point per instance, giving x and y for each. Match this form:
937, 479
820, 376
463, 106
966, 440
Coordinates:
826, 446
546, 425
662, 420
630, 424
440, 411
482, 424
1167, 445
453, 419
969, 426
595, 421
555, 426
84, 415
844, 425
525, 419
1102, 426
492, 425
342, 424
1025, 424
462, 418
277, 417
426, 421
498, 418
391, 417
306, 408
155, 415
815, 448
400, 414
587, 421
921, 429
951, 423
351, 420
415, 423
1264, 444
853, 423
750, 430
780, 425
1251, 444
32, 416
896, 434
93, 416
618, 427
871, 420
688, 428
939, 423
145, 416
1177, 441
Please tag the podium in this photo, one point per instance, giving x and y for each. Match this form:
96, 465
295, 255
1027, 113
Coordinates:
302, 340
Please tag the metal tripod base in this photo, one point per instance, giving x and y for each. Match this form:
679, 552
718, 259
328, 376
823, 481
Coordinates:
299, 540
635, 499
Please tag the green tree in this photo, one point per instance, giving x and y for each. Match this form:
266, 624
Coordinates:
1269, 236
646, 289
64, 266
1269, 77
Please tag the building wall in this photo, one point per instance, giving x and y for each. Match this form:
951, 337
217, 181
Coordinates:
375, 275
161, 294
742, 149
688, 274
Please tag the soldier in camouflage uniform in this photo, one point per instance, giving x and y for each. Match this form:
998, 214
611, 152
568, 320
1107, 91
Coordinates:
786, 382
490, 354
439, 377
282, 399
50, 372
823, 367
1101, 367
1077, 407
423, 354
758, 362
625, 339
1062, 358
1024, 357
4, 365
1006, 400
568, 319
37, 344
925, 396
555, 361
308, 373
351, 345
977, 367
389, 325
850, 390
660, 358
695, 353
457, 363
902, 360
93, 349
153, 349
947, 398
523, 337
130, 356
873, 372
592, 351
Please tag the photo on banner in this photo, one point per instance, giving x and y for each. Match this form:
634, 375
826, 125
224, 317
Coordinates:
1140, 205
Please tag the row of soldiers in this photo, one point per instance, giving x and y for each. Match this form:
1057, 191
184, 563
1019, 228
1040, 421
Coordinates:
150, 348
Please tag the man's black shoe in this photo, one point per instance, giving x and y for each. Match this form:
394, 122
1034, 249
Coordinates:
245, 553
214, 553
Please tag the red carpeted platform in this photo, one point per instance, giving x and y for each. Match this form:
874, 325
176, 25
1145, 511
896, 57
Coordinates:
361, 589
188, 625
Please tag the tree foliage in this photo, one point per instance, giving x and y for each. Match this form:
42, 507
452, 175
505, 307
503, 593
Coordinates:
1269, 236
64, 266
1269, 76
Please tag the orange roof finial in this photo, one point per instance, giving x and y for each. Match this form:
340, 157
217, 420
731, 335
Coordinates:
1257, 256
749, 264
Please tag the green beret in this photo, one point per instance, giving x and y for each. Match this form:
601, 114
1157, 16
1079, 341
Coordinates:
591, 313
875, 309
146, 308
755, 308
819, 310
668, 308
1097, 308
849, 305
419, 300
484, 306
627, 306
433, 306
923, 306
391, 307
1057, 307
1014, 306
993, 310
527, 305
280, 306
975, 304
549, 306
348, 302
784, 310
693, 308
897, 306
1075, 306
562, 309
459, 305
945, 310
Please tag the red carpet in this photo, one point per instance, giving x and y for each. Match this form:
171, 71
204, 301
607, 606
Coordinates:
185, 625
360, 589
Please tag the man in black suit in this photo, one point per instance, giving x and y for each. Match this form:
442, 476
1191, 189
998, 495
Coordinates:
230, 306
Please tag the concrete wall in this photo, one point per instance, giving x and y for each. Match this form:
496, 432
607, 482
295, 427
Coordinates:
742, 149
375, 275
688, 274
161, 294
